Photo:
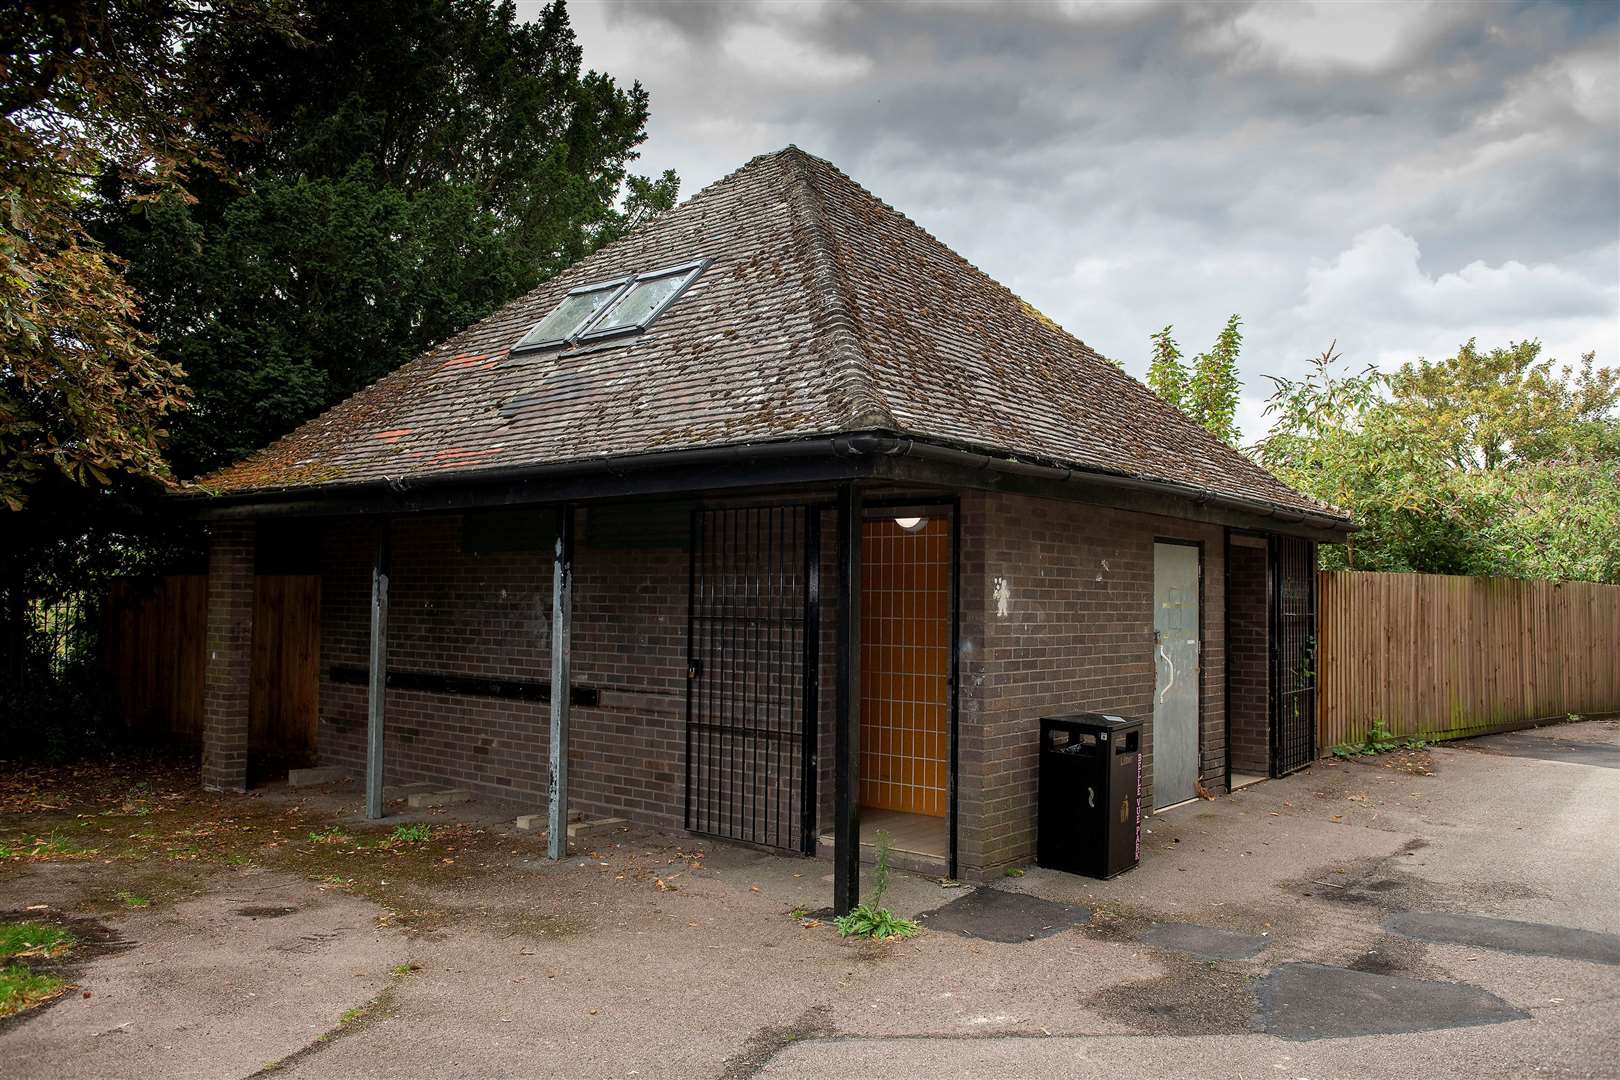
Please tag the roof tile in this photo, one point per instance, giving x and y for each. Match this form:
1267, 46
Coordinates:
822, 311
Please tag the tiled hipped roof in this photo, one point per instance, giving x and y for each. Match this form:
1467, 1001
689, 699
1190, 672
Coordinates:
823, 311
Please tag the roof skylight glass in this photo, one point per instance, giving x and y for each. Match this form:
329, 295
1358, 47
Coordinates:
569, 318
641, 303
609, 308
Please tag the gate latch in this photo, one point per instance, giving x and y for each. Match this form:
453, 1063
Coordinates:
693, 667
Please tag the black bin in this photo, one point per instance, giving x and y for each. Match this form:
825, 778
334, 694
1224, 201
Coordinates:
1090, 799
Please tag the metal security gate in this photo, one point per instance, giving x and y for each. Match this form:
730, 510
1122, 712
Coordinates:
1293, 654
752, 651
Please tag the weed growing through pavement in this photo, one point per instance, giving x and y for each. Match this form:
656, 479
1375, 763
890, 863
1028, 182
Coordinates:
871, 919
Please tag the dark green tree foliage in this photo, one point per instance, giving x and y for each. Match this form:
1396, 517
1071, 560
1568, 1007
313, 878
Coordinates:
411, 166
1208, 391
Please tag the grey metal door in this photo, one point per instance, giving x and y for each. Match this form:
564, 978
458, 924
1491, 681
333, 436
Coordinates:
1176, 648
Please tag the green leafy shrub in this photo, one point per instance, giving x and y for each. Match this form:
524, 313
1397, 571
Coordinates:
1379, 740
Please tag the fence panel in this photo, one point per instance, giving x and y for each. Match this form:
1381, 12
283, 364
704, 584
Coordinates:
1437, 656
155, 648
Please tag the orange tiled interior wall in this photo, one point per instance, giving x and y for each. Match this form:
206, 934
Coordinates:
905, 665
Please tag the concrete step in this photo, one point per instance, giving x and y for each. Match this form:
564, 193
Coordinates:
586, 830
325, 774
424, 800
925, 863
577, 830
405, 791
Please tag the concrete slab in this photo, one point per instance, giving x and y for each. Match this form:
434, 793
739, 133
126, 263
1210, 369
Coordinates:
211, 986
325, 774
1315, 1001
995, 915
424, 800
1506, 935
1204, 942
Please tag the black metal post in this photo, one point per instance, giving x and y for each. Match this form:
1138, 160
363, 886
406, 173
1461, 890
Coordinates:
562, 608
847, 723
810, 664
378, 675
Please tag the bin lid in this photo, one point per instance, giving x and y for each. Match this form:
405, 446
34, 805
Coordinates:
1094, 721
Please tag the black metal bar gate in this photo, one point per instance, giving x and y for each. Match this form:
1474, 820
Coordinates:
751, 677
1293, 654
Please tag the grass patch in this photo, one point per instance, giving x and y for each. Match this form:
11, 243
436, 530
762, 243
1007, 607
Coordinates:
24, 939
132, 900
20, 987
23, 989
411, 834
54, 846
330, 835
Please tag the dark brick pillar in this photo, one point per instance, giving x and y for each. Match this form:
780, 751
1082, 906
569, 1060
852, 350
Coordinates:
230, 656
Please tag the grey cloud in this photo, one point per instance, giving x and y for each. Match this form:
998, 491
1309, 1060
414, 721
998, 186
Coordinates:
1124, 167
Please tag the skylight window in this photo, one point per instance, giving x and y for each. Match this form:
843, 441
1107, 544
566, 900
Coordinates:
577, 309
609, 308
641, 303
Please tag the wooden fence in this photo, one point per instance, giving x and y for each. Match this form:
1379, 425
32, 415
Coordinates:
155, 646
1440, 657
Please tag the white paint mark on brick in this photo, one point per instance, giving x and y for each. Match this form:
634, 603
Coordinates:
1003, 595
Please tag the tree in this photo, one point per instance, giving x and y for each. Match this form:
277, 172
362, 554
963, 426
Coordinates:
1494, 462
413, 165
1167, 375
1208, 393
86, 88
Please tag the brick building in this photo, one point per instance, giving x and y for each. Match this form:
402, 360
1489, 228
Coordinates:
811, 520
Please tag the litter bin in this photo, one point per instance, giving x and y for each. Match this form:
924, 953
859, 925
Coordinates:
1090, 800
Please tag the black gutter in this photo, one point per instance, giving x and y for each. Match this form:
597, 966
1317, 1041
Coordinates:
904, 446
617, 466
854, 449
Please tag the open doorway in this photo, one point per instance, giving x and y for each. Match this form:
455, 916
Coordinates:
285, 675
906, 651
1248, 660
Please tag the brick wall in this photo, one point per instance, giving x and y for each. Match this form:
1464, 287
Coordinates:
227, 677
1076, 634
490, 616
1248, 665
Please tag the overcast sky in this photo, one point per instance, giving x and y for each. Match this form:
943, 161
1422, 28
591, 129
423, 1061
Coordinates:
1398, 178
